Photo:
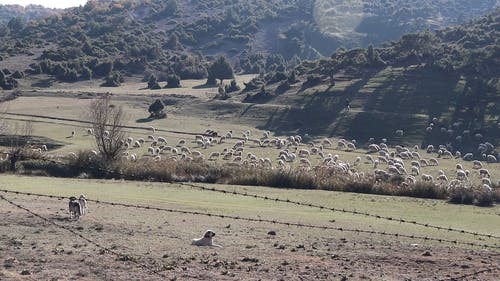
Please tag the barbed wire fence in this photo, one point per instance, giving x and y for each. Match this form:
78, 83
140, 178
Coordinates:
121, 256
297, 203
467, 275
270, 221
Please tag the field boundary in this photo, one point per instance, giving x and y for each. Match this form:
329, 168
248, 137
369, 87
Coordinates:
298, 203
260, 220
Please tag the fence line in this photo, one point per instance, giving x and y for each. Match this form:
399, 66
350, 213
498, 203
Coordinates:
271, 221
121, 256
321, 207
476, 273
298, 203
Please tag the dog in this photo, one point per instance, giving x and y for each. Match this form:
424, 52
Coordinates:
83, 204
206, 240
74, 208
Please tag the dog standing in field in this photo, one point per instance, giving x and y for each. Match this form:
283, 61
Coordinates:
74, 208
206, 240
83, 204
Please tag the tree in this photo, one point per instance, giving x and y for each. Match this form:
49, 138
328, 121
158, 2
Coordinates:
107, 124
156, 110
153, 83
220, 69
114, 79
173, 81
20, 143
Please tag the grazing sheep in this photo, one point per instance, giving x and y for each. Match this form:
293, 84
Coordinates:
327, 142
459, 166
486, 181
484, 173
162, 140
305, 162
181, 143
214, 155
351, 147
106, 133
476, 164
373, 148
185, 149
461, 175
442, 178
427, 178
90, 132
153, 129
151, 138
433, 162
175, 151
44, 147
399, 133
137, 144
468, 157
491, 159
430, 148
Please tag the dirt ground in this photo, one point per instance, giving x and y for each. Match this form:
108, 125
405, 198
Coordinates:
33, 249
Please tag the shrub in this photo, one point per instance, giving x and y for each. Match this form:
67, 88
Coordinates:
232, 87
173, 81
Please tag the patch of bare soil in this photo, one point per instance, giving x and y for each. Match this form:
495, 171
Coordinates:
32, 249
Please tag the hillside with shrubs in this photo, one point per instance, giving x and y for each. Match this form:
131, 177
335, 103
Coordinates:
450, 75
112, 39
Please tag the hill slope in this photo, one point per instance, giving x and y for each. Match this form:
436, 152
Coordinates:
178, 35
452, 75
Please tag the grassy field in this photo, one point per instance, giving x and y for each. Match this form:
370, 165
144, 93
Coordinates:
163, 238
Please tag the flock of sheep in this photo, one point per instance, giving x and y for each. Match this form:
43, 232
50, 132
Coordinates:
380, 160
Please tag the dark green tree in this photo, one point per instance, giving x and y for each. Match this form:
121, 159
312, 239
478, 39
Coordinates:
220, 69
156, 110
173, 81
153, 83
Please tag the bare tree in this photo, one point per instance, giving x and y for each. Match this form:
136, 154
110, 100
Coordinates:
107, 124
20, 144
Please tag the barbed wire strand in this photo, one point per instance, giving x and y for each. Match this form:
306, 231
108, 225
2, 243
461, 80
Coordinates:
298, 203
121, 256
354, 212
271, 221
475, 273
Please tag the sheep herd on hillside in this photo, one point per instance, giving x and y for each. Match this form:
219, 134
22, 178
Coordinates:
380, 160
342, 156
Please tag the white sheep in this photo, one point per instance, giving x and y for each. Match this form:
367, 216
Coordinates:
399, 133
433, 162
484, 173
476, 164
491, 159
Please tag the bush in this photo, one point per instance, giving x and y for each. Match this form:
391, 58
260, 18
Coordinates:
232, 87
173, 81
114, 79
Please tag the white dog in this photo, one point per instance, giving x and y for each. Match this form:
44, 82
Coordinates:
74, 208
83, 204
206, 240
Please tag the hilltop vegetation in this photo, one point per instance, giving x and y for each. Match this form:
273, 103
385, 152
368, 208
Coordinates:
181, 36
24, 14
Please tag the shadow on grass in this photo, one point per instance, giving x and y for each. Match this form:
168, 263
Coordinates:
144, 120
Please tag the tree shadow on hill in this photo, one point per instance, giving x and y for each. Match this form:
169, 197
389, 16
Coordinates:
45, 83
204, 86
316, 114
144, 120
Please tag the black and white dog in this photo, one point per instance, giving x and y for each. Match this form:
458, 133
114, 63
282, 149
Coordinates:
206, 240
74, 208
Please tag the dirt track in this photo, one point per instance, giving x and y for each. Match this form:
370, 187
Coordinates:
41, 251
